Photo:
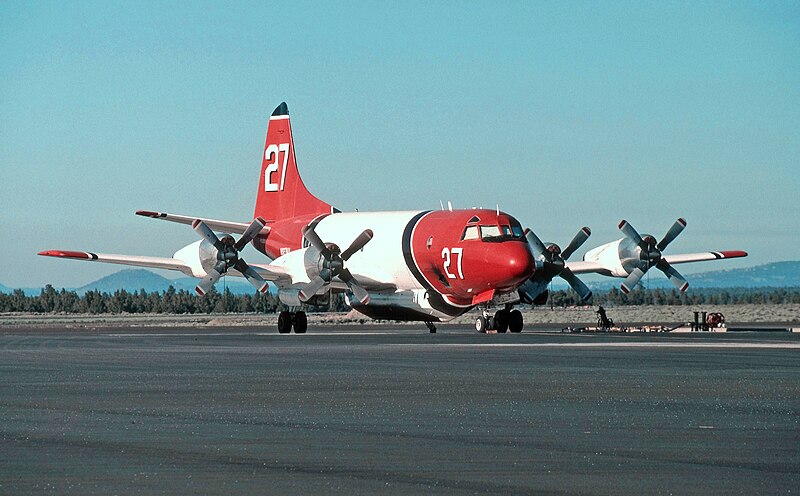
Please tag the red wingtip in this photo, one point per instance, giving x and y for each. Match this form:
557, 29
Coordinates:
624, 288
733, 254
147, 213
67, 254
622, 223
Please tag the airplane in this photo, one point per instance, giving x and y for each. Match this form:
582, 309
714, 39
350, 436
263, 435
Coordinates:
421, 265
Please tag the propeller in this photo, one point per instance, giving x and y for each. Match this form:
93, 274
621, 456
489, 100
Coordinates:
649, 254
333, 265
550, 259
227, 255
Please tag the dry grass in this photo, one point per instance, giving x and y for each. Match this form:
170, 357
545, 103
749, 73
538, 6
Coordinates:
789, 313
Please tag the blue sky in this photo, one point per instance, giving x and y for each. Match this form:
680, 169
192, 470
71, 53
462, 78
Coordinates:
564, 114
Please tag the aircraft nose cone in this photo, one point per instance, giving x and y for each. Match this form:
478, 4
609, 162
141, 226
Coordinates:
517, 264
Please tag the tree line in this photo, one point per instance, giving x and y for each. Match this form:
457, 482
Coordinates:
172, 301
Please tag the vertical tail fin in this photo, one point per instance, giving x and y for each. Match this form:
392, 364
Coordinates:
281, 192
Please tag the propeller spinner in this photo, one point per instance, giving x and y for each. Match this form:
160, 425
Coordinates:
650, 256
550, 259
227, 255
333, 265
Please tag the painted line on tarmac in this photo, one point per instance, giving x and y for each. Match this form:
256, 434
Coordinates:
794, 346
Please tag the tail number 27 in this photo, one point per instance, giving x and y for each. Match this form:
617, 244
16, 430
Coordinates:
273, 153
456, 254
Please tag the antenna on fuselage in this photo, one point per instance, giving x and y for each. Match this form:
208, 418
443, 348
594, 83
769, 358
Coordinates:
497, 205
449, 206
441, 204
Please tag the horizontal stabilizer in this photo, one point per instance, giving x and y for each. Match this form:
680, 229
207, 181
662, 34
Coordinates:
215, 225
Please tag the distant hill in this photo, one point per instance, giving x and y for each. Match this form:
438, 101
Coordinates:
777, 275
137, 279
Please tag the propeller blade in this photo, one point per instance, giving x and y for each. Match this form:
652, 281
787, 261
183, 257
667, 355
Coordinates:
675, 277
359, 292
204, 231
535, 244
357, 244
208, 282
576, 242
316, 241
583, 291
311, 288
630, 232
673, 232
250, 234
252, 276
630, 282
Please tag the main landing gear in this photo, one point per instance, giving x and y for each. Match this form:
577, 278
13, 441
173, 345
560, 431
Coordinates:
502, 321
287, 320
431, 327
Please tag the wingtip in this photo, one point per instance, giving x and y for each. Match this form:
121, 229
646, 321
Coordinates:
80, 255
149, 213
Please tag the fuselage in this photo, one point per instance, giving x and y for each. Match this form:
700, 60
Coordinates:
427, 263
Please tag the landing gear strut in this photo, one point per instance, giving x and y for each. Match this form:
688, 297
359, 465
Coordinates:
287, 320
431, 327
502, 321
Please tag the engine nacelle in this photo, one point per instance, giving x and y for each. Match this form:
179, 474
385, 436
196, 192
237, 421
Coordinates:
201, 256
618, 258
291, 297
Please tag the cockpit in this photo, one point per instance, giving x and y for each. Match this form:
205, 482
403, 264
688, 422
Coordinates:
504, 230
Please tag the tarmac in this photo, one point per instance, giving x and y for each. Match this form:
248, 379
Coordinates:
396, 410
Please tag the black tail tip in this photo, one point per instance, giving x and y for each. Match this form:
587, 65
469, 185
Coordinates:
282, 109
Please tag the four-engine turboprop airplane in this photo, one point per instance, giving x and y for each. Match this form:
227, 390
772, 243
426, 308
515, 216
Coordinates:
428, 265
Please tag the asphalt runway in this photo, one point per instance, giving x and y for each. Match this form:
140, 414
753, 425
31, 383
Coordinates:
381, 409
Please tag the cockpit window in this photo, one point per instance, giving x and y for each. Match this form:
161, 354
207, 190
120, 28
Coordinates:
471, 232
488, 232
503, 232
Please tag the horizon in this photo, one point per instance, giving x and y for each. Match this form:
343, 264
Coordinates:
563, 115
593, 280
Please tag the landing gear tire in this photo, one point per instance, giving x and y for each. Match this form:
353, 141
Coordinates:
481, 325
300, 323
285, 322
515, 321
501, 321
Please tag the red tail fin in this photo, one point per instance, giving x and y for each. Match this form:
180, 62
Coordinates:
281, 192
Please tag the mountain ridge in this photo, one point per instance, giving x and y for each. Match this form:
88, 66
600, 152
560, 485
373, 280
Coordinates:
785, 274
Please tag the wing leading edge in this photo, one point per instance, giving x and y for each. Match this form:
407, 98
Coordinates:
584, 267
266, 271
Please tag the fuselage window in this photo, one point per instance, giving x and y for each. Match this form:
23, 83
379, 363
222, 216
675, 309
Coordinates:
471, 232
